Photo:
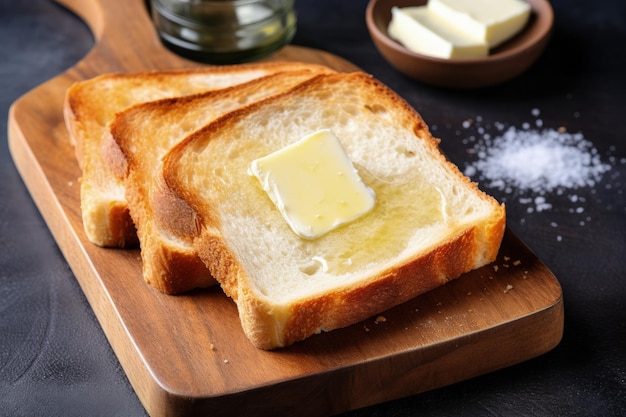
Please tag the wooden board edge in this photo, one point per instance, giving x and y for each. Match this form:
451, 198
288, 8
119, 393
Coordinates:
345, 390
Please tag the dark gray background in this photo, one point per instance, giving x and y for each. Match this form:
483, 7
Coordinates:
55, 360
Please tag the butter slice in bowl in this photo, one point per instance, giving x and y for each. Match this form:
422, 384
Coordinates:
422, 31
491, 21
314, 184
458, 28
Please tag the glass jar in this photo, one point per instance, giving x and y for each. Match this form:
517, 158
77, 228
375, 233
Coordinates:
224, 31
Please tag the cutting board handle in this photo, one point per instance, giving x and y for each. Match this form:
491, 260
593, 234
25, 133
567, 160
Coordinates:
125, 38
126, 41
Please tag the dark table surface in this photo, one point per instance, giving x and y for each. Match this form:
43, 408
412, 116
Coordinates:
56, 361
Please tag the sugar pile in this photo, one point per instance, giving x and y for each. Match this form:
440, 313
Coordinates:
533, 164
536, 160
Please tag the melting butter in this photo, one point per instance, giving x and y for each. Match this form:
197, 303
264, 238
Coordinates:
404, 206
314, 184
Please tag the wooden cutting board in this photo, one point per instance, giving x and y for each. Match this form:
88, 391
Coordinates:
187, 355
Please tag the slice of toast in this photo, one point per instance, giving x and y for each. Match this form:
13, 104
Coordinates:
430, 224
90, 106
144, 133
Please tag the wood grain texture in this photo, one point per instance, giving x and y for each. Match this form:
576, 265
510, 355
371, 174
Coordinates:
187, 355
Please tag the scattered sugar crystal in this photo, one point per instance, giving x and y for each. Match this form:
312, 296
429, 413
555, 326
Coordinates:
537, 161
538, 166
541, 204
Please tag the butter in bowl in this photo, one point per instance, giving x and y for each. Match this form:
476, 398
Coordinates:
460, 43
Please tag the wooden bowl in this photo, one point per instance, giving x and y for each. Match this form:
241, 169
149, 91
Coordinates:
502, 64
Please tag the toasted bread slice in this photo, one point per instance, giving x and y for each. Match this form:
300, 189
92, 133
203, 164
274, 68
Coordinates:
430, 224
90, 106
144, 134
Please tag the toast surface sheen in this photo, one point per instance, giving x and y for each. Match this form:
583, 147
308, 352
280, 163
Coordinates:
429, 225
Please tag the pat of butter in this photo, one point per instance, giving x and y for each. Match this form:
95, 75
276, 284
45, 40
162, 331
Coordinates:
424, 32
491, 21
314, 184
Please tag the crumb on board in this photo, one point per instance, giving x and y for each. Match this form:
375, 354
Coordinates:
508, 288
380, 319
